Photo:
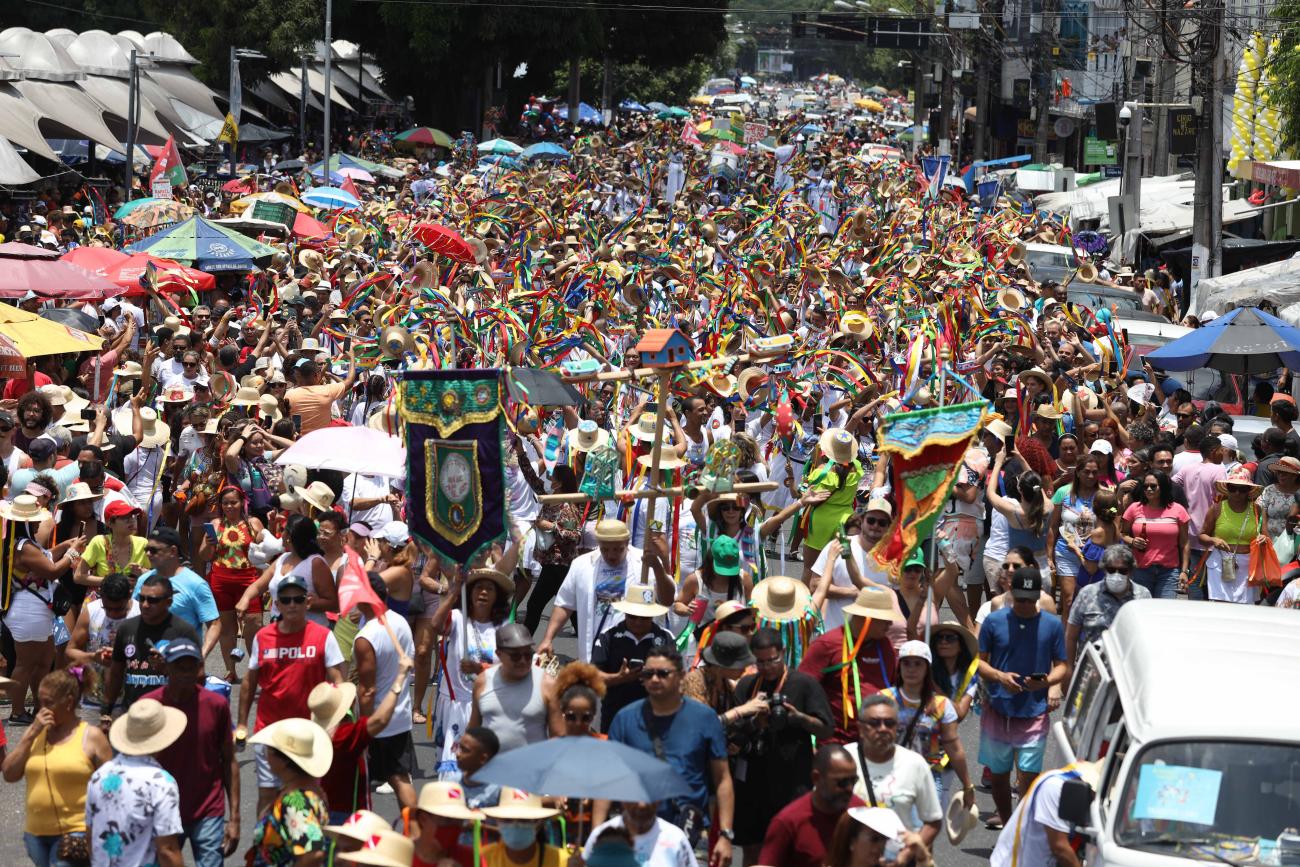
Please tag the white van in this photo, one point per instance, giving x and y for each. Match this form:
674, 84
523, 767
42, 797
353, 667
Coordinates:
1194, 711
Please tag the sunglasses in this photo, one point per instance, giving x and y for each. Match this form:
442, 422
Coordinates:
845, 784
189, 364
574, 716
944, 637
657, 673
1122, 570
876, 522
1183, 414
292, 600
155, 600
6, 428
1150, 486
879, 723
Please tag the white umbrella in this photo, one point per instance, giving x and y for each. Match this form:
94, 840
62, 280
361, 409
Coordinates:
349, 450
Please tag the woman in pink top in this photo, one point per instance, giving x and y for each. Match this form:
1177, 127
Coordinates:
1156, 528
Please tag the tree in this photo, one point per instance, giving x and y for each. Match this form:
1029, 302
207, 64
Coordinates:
1283, 63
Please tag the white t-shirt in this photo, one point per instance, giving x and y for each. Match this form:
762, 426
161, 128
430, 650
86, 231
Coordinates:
589, 590
833, 610
902, 783
366, 487
1034, 848
386, 660
1183, 460
664, 845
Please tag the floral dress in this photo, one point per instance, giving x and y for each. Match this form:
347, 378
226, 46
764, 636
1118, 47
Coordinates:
294, 826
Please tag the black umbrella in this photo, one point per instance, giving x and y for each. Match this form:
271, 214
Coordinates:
290, 166
71, 317
540, 388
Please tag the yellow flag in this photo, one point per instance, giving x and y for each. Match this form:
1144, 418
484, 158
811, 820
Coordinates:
229, 131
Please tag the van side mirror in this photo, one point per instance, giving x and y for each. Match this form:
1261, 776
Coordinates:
1076, 803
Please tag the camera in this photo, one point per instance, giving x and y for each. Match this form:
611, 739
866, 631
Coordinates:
778, 715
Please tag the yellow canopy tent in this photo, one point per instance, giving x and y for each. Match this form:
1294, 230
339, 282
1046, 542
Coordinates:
34, 336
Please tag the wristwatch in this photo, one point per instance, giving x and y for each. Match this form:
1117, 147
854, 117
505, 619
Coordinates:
727, 833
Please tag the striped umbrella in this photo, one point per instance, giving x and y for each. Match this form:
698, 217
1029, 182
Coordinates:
424, 135
207, 246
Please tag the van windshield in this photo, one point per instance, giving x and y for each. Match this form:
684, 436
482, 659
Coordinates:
1212, 800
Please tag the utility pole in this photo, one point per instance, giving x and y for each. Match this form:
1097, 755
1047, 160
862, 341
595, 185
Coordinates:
1044, 78
1207, 201
329, 57
919, 62
302, 106
1165, 75
133, 81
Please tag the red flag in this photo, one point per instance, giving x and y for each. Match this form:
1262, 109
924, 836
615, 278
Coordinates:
355, 589
348, 187
169, 163
690, 134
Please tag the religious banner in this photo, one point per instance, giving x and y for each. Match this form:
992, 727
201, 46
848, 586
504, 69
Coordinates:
455, 468
926, 448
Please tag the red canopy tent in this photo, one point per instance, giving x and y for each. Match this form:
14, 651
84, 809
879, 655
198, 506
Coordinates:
25, 268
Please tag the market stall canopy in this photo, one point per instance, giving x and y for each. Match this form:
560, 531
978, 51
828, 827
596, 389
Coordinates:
290, 82
13, 170
25, 268
203, 244
1277, 284
72, 108
20, 123
34, 336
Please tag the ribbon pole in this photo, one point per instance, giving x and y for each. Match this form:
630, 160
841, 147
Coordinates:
944, 356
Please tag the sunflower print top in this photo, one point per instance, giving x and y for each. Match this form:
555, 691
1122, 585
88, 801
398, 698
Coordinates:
232, 545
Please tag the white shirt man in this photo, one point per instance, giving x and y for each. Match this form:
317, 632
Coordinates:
664, 845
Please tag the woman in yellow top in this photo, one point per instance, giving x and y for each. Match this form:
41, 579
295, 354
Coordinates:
837, 478
118, 550
1227, 531
57, 755
519, 818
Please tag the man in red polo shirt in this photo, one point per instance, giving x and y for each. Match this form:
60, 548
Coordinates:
801, 833
288, 658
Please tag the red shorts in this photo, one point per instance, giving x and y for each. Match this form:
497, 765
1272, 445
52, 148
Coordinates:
228, 586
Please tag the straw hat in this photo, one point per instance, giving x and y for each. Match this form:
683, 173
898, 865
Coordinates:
644, 429
746, 382
999, 428
967, 637
780, 599
360, 826
147, 728
1287, 464
496, 576
330, 702
300, 740
612, 530
79, 491
1238, 476
1039, 374
839, 445
1047, 411
668, 458
311, 260
722, 384
876, 603
518, 804
246, 396
317, 494
385, 849
269, 406
155, 432
446, 800
23, 508
957, 820
639, 601
588, 436
176, 394
856, 324
129, 370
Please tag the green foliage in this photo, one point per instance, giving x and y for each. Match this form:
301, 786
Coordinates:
639, 81
1284, 63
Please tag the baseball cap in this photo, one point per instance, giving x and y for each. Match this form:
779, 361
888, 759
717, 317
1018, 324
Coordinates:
513, 636
880, 505
118, 509
361, 529
917, 649
1102, 447
1229, 442
292, 580
394, 533
41, 448
726, 556
180, 648
916, 558
1026, 585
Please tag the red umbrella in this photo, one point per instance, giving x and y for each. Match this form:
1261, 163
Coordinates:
12, 363
309, 227
24, 268
441, 239
125, 270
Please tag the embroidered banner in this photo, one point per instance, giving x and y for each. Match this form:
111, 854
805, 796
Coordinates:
455, 466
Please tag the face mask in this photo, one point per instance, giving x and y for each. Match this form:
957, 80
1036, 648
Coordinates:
518, 836
1116, 583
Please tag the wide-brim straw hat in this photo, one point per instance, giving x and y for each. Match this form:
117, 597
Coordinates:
1039, 374
640, 600
876, 603
385, 849
1238, 476
301, 741
518, 804
856, 324
668, 458
496, 576
446, 799
747, 382
155, 432
967, 637
245, 396
839, 445
360, 826
958, 821
588, 436
999, 428
147, 727
644, 429
317, 494
330, 702
79, 491
269, 406
24, 508
780, 599
1287, 464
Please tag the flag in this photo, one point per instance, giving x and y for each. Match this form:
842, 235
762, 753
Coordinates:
229, 131
987, 190
926, 449
690, 134
455, 463
169, 165
935, 170
348, 187
354, 587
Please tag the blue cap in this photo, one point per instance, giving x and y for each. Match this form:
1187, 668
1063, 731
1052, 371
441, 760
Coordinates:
179, 648
1170, 385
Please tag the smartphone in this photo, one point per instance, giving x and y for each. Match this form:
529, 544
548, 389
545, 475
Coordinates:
87, 413
636, 663
210, 530
1040, 675
297, 422
347, 343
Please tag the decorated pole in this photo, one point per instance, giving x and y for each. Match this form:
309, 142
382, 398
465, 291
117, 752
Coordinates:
665, 385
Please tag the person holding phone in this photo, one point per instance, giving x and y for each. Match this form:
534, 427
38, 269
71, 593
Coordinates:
1022, 655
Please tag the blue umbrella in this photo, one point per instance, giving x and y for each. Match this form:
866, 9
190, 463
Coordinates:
545, 151
633, 106
586, 113
330, 198
656, 106
585, 768
1246, 341
501, 162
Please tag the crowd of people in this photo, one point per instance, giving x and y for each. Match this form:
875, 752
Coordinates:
171, 591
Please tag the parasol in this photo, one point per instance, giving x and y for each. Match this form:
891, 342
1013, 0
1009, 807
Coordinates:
331, 199
25, 268
207, 246
443, 240
424, 135
159, 212
353, 449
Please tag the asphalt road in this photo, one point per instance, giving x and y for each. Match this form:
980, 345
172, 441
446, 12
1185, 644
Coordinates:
974, 850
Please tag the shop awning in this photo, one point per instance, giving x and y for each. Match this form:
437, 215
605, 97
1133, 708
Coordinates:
1272, 173
68, 105
20, 123
13, 169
